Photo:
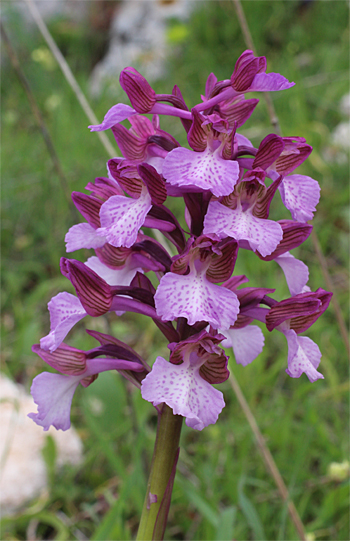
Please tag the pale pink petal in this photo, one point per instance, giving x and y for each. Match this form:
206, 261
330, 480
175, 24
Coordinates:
122, 217
83, 236
114, 277
300, 194
295, 271
269, 82
185, 391
247, 343
156, 162
116, 114
262, 235
305, 358
53, 394
65, 311
192, 296
206, 170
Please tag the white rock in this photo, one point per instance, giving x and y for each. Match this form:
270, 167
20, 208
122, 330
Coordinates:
22, 467
345, 105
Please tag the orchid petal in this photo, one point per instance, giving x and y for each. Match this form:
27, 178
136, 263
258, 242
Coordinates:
206, 170
53, 393
182, 389
65, 311
122, 217
295, 271
300, 195
269, 82
83, 236
114, 277
303, 356
116, 114
263, 235
192, 296
247, 343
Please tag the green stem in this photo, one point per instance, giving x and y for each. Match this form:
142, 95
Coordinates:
163, 462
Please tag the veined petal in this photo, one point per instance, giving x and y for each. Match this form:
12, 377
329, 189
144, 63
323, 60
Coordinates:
295, 271
116, 114
182, 389
263, 235
206, 170
300, 194
122, 217
53, 394
303, 356
83, 236
247, 343
269, 82
65, 311
192, 296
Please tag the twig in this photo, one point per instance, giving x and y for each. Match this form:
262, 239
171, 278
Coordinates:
275, 123
69, 76
268, 458
36, 111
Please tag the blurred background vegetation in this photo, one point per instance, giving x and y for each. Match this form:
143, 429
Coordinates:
222, 490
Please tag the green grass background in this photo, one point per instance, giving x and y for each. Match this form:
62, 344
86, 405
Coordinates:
222, 490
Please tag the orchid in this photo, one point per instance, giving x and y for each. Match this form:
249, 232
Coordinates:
195, 299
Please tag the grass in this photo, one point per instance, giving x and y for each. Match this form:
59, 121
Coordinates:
222, 490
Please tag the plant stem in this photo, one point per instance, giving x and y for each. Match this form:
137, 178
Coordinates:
161, 478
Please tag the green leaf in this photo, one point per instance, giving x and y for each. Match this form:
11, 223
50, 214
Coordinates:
250, 512
49, 453
224, 531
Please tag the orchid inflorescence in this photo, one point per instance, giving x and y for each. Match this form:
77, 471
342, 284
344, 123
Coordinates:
194, 298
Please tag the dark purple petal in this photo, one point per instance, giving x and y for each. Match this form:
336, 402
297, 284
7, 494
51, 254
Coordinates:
222, 265
89, 206
197, 136
303, 310
104, 188
294, 234
154, 182
65, 359
269, 149
132, 147
93, 292
140, 93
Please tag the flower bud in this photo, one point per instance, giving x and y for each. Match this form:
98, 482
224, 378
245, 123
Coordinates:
140, 93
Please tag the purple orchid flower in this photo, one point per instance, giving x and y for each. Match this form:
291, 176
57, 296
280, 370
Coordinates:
194, 295
243, 215
221, 179
53, 393
184, 383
